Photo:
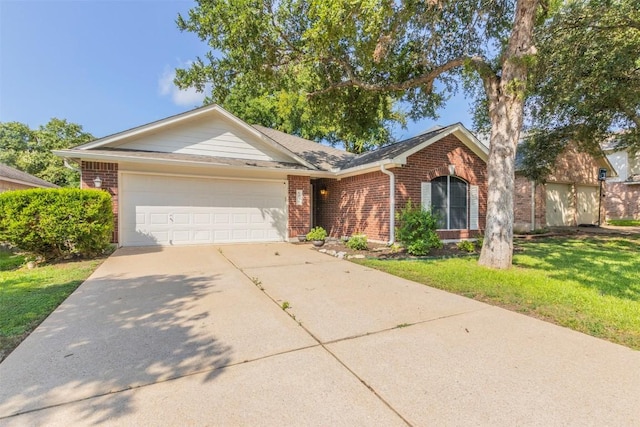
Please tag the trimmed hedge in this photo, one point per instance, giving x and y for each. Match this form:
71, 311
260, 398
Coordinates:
57, 223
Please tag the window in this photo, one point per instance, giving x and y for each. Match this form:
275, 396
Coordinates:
453, 201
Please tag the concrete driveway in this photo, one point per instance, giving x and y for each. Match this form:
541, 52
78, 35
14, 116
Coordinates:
198, 336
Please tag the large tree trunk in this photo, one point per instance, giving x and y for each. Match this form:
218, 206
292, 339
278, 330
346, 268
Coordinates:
506, 101
506, 120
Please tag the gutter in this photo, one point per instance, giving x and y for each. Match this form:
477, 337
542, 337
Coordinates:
392, 203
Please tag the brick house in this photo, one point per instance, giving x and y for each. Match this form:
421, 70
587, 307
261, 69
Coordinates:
569, 197
205, 176
14, 179
622, 199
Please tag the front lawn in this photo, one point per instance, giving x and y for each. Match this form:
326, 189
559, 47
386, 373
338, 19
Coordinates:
624, 222
28, 296
589, 284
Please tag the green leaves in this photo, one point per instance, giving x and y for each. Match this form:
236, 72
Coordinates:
30, 150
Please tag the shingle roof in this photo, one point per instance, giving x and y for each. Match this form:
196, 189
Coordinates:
14, 174
321, 156
393, 150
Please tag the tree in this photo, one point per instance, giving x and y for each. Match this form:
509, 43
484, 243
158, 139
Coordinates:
30, 150
586, 81
360, 57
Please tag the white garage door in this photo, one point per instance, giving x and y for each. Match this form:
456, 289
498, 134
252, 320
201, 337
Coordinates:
559, 207
169, 210
587, 204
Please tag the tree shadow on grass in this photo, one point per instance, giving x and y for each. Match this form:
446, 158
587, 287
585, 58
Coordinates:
114, 334
607, 264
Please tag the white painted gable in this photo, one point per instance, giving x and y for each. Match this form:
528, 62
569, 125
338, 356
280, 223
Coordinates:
213, 135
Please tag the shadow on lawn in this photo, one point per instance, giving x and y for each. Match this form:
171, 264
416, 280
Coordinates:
114, 334
610, 265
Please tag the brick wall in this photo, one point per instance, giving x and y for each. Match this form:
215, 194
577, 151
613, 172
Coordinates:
360, 204
434, 161
108, 173
357, 204
572, 166
621, 201
8, 185
299, 215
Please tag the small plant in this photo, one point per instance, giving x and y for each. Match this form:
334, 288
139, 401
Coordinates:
466, 246
417, 230
258, 283
402, 325
357, 242
317, 233
479, 242
395, 248
285, 305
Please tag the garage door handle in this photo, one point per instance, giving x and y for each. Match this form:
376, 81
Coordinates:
170, 217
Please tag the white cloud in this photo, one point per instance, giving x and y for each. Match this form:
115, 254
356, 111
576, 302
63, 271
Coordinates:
181, 97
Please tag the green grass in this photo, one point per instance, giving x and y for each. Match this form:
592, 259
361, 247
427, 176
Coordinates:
27, 297
9, 260
591, 285
624, 222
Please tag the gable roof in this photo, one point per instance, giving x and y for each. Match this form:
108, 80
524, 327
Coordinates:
155, 126
318, 159
7, 173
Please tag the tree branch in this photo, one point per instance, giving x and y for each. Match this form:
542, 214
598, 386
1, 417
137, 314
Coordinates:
427, 79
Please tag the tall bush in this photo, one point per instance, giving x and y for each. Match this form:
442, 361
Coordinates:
417, 230
57, 223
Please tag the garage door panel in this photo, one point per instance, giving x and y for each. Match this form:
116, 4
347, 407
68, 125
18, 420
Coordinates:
159, 210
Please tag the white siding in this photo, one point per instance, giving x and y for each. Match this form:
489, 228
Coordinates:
619, 162
208, 137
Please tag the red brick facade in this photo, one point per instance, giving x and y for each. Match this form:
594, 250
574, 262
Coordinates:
573, 168
299, 214
360, 204
622, 200
357, 204
108, 173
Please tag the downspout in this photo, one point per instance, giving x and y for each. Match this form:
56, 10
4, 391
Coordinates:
392, 204
533, 205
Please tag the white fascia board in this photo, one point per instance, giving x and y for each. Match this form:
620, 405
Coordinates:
362, 169
463, 135
88, 155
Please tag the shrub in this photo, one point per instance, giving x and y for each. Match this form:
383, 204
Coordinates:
317, 233
57, 223
357, 242
479, 242
466, 246
417, 230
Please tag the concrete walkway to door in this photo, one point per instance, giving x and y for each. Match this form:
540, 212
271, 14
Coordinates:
198, 336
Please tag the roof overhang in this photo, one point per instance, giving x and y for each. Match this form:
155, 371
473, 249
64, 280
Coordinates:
116, 157
28, 184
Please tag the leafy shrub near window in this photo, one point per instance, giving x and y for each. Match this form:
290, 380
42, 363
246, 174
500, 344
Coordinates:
57, 223
317, 233
479, 242
466, 246
357, 242
417, 230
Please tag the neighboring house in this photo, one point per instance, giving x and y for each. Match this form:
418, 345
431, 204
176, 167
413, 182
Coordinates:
622, 199
569, 197
206, 176
14, 179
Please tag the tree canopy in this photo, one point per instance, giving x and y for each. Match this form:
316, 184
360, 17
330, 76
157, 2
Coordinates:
356, 60
30, 149
585, 85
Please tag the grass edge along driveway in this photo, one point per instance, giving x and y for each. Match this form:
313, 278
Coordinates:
589, 284
27, 296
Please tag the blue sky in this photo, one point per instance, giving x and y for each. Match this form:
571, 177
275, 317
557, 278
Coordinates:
108, 65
